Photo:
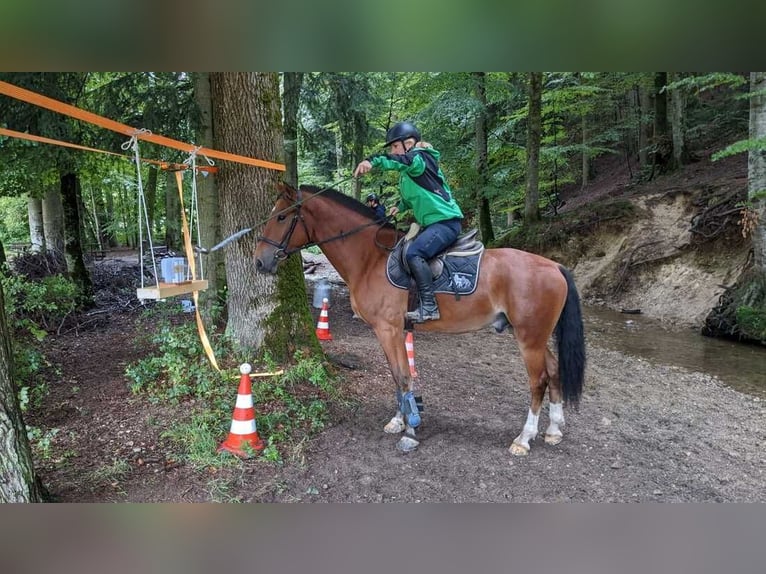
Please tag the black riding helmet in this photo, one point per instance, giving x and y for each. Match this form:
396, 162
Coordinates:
372, 197
401, 131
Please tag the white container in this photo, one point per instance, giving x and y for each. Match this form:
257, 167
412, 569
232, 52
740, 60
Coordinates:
173, 269
322, 290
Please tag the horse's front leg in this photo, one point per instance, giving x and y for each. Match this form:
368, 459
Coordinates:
407, 417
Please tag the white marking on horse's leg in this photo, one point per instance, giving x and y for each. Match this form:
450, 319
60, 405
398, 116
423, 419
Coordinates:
520, 446
396, 424
553, 434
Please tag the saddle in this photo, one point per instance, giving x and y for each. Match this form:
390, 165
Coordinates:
454, 271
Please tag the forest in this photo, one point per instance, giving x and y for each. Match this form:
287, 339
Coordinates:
517, 148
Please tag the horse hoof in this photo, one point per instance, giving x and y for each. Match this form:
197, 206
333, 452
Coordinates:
394, 426
553, 439
407, 444
519, 449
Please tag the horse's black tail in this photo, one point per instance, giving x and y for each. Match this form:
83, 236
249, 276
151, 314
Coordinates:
571, 343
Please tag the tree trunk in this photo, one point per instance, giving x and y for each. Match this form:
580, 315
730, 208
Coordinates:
482, 171
207, 197
756, 168
247, 121
172, 213
585, 158
150, 193
108, 218
644, 126
678, 123
534, 134
36, 227
70, 190
360, 137
53, 222
298, 330
662, 144
17, 474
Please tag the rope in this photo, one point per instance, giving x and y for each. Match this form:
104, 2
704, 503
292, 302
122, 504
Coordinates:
194, 209
133, 143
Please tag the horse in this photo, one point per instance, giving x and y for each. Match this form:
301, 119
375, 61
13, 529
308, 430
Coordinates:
533, 295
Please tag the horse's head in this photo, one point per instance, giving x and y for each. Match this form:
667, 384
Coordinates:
285, 231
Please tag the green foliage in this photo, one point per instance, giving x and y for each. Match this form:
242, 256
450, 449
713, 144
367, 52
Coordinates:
36, 307
740, 147
546, 234
179, 369
287, 407
33, 309
752, 322
14, 226
42, 442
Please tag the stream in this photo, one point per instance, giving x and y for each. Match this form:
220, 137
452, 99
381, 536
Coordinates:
743, 367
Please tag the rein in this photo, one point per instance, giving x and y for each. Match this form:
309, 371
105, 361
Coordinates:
283, 251
247, 230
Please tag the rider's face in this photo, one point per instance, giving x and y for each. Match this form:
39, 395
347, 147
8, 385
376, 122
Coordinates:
396, 148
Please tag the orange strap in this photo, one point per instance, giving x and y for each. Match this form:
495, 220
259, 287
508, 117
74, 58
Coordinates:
193, 268
75, 112
40, 139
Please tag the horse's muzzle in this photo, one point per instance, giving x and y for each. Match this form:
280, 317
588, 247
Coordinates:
268, 265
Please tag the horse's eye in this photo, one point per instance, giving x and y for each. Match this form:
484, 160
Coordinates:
281, 217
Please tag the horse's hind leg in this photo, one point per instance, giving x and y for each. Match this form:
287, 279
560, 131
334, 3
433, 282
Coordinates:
534, 358
553, 434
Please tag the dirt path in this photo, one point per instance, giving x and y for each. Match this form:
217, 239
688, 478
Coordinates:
643, 432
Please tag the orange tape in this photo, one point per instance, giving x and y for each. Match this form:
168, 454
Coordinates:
161, 164
77, 113
193, 268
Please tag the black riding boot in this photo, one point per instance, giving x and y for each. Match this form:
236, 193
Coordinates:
428, 309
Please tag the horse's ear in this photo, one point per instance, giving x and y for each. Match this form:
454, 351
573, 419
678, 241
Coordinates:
285, 189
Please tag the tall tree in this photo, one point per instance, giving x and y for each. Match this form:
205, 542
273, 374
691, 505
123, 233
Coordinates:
247, 121
678, 121
207, 194
756, 167
297, 330
534, 133
36, 227
17, 474
53, 221
70, 197
482, 170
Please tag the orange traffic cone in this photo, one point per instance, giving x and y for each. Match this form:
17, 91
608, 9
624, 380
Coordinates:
323, 325
243, 429
408, 344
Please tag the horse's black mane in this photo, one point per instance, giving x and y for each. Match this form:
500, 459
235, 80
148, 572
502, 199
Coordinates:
343, 199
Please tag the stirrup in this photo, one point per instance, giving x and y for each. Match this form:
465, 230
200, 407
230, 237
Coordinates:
420, 316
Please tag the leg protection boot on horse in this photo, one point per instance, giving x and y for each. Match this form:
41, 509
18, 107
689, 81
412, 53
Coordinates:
428, 309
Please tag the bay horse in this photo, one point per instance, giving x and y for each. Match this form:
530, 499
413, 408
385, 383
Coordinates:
532, 294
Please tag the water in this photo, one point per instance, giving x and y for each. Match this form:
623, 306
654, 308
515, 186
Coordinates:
742, 367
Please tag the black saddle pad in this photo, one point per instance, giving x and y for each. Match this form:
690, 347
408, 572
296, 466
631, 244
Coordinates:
459, 274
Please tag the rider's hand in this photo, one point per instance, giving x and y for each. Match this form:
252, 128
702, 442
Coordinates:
363, 167
393, 211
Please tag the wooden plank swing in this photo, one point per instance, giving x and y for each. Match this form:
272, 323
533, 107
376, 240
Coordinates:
185, 271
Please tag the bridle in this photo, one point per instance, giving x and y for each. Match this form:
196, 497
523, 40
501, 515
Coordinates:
283, 251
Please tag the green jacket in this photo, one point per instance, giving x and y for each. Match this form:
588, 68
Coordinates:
422, 187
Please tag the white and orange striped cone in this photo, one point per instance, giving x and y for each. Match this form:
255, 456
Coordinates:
409, 345
243, 431
323, 325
